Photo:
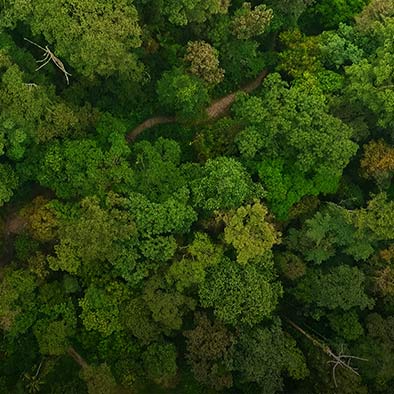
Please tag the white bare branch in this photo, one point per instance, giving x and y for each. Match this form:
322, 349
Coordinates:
342, 360
338, 360
48, 57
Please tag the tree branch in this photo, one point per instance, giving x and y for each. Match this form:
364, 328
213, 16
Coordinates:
340, 359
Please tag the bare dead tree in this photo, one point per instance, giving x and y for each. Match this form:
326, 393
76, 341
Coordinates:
342, 360
48, 57
337, 360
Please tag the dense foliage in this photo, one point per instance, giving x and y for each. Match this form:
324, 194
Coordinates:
248, 248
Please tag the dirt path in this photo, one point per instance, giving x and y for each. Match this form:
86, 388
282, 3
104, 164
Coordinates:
217, 109
147, 124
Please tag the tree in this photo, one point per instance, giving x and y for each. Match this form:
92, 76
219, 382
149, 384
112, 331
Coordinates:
246, 294
90, 234
157, 169
248, 230
354, 232
301, 54
330, 231
80, 168
184, 11
42, 222
209, 351
248, 23
263, 355
167, 306
8, 181
101, 308
99, 379
320, 379
56, 318
341, 287
369, 82
302, 133
242, 59
339, 48
327, 14
378, 161
191, 269
53, 336
160, 363
377, 346
223, 184
216, 139
190, 259
287, 12
18, 309
373, 13
383, 272
204, 62
94, 38
137, 319
33, 112
377, 219
291, 265
174, 215
346, 325
184, 94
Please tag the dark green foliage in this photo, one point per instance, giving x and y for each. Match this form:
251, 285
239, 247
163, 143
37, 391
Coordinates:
100, 309
242, 59
8, 182
18, 308
73, 33
300, 151
209, 352
343, 287
346, 325
223, 184
158, 174
82, 168
183, 12
377, 346
328, 14
327, 232
99, 379
196, 196
166, 305
160, 362
246, 294
338, 48
184, 94
370, 81
217, 139
261, 355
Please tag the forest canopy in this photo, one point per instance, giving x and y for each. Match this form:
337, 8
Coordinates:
196, 196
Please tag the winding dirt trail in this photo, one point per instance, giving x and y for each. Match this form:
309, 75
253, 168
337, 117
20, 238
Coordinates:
217, 109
